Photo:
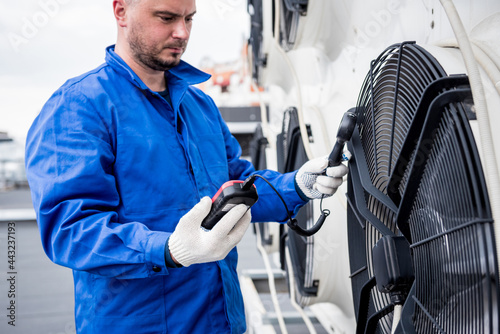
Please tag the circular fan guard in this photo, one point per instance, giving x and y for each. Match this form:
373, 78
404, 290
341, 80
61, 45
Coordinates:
416, 172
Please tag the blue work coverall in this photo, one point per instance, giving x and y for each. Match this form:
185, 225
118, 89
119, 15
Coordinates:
112, 168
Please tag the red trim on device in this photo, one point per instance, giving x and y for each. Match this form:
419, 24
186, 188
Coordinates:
224, 186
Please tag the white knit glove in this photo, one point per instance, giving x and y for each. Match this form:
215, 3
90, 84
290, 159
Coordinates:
312, 181
190, 243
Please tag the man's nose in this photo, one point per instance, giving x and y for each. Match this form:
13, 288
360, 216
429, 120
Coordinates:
181, 30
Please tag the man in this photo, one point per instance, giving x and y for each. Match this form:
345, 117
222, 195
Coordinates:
121, 162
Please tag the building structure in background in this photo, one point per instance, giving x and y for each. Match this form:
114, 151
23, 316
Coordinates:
12, 173
240, 102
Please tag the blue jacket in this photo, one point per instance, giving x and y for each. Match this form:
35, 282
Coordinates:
112, 168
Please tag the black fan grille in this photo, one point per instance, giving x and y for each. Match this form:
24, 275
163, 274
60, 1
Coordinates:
453, 239
389, 100
387, 104
379, 300
301, 248
416, 163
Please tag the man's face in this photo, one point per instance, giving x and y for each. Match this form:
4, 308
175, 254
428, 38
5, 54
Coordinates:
158, 31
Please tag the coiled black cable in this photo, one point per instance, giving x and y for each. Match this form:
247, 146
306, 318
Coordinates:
292, 222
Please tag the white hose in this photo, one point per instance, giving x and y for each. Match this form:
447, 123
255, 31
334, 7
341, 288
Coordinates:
483, 58
494, 57
487, 145
272, 286
398, 309
291, 280
489, 64
302, 125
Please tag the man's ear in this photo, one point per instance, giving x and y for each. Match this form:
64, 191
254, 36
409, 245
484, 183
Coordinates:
120, 11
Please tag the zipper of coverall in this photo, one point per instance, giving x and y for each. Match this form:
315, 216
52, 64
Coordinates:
178, 124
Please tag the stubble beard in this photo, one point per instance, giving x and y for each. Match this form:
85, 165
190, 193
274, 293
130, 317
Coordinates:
150, 55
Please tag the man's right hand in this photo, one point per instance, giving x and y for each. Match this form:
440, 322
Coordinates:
190, 243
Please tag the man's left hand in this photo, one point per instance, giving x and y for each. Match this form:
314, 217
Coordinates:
315, 179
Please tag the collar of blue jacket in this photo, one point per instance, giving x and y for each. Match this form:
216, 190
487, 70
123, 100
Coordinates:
184, 72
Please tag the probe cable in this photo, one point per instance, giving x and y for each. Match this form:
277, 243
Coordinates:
292, 222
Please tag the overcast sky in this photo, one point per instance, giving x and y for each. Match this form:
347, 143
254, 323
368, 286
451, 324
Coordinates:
45, 42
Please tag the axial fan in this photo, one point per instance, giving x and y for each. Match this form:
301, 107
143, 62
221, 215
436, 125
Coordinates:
257, 150
291, 10
291, 157
258, 59
420, 227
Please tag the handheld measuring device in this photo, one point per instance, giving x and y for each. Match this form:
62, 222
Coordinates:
229, 195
